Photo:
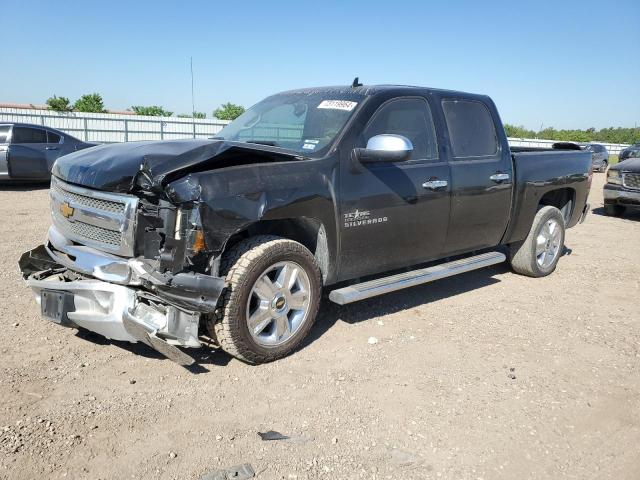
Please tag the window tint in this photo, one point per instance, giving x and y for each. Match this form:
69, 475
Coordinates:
53, 137
28, 135
4, 133
471, 128
410, 117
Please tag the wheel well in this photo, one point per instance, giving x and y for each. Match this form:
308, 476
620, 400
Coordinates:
310, 232
563, 199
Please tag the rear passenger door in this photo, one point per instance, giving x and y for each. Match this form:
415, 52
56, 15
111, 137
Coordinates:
54, 148
481, 175
27, 153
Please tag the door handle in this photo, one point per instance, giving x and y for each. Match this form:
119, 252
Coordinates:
50, 148
435, 184
500, 177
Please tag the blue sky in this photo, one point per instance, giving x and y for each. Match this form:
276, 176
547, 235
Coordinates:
567, 64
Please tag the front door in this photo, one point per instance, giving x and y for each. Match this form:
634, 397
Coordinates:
394, 214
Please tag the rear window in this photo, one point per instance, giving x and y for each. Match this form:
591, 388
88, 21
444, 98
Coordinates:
4, 133
471, 128
28, 135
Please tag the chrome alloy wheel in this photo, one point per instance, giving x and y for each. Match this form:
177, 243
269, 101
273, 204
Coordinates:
278, 304
548, 243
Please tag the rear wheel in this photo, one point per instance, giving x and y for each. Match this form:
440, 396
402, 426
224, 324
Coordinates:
538, 254
613, 210
270, 300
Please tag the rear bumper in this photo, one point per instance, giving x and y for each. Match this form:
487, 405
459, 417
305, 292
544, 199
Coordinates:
619, 195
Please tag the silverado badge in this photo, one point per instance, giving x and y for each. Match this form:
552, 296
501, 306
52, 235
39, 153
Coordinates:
66, 210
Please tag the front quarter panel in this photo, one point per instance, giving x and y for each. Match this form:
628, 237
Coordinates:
232, 199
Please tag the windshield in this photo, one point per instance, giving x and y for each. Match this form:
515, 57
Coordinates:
306, 123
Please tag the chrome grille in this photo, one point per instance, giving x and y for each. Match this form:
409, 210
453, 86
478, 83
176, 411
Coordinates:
88, 231
106, 205
102, 220
631, 180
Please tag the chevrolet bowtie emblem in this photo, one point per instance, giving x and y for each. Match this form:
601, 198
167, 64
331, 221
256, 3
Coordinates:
66, 210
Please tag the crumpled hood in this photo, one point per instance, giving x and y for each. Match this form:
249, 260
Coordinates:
114, 167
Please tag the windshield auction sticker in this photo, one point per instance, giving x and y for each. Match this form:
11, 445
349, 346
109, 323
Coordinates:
338, 105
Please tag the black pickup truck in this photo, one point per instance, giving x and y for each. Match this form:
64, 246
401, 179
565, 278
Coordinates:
361, 190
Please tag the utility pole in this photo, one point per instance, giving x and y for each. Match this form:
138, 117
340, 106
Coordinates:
193, 103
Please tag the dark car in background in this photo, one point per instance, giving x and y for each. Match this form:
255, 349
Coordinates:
622, 189
630, 152
27, 152
599, 156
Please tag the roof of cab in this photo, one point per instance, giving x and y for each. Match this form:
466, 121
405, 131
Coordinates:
370, 90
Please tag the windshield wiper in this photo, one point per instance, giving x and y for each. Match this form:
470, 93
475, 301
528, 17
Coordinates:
269, 143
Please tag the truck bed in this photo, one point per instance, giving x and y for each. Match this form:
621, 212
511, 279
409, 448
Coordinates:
538, 171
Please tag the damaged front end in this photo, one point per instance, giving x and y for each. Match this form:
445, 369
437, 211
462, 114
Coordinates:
129, 267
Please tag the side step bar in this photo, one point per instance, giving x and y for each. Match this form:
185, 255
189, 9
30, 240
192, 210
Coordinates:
379, 286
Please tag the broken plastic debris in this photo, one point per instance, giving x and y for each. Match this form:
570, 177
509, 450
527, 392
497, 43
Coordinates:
372, 340
273, 435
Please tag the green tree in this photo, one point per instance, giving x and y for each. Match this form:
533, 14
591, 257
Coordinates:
151, 111
194, 115
91, 102
228, 111
605, 135
59, 104
518, 131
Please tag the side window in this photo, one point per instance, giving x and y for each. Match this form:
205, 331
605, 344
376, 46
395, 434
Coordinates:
28, 135
53, 137
471, 129
410, 117
4, 133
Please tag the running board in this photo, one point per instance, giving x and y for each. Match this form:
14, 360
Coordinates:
379, 286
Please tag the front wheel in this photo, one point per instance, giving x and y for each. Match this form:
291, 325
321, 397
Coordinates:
538, 254
270, 300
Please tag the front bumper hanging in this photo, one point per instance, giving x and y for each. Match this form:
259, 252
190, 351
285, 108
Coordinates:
118, 312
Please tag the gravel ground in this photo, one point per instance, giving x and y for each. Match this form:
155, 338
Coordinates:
487, 375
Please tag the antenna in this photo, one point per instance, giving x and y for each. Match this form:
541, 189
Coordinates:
193, 103
356, 83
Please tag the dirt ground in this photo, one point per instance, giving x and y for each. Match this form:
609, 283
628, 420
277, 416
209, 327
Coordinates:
488, 375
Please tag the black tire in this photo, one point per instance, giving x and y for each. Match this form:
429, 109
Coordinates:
522, 255
613, 210
243, 265
604, 166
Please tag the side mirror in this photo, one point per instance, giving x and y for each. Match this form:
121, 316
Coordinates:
385, 148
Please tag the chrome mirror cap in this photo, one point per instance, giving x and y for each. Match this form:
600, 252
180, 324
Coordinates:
388, 142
